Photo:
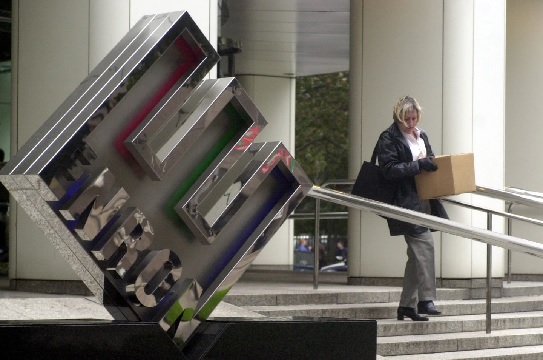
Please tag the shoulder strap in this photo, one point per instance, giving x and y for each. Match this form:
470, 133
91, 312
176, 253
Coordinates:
374, 155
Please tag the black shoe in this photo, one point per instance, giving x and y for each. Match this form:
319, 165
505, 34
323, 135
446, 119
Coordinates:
427, 307
410, 313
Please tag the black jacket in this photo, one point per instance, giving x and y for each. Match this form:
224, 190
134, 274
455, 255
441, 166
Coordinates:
396, 163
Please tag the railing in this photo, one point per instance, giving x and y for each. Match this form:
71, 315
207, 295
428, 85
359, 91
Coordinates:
513, 196
489, 237
323, 216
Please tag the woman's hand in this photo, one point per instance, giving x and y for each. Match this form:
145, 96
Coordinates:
427, 164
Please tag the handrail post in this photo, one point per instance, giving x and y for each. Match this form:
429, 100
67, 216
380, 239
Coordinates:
489, 278
509, 232
316, 244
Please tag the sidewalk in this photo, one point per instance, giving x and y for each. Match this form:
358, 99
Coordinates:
16, 305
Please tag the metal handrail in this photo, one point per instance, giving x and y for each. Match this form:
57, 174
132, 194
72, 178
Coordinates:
418, 218
495, 212
510, 195
324, 216
514, 195
487, 236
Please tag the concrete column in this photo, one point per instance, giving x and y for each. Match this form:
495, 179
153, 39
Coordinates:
57, 43
523, 120
473, 121
46, 70
355, 131
275, 98
5, 108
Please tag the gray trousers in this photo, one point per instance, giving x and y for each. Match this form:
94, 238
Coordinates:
419, 280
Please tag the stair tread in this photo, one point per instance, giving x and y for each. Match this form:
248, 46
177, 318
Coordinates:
439, 303
454, 342
256, 288
501, 353
327, 290
460, 335
524, 314
459, 323
249, 288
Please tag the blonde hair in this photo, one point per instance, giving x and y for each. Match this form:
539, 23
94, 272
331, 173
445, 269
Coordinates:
405, 105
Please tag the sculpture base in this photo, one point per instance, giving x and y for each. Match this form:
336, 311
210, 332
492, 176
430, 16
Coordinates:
224, 339
283, 338
84, 340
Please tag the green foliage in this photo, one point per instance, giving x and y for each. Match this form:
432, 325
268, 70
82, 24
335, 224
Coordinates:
322, 141
322, 109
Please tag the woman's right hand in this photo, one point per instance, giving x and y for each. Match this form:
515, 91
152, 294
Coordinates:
427, 164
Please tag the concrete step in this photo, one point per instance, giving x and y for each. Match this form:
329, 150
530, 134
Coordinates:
522, 288
388, 310
247, 295
517, 317
510, 353
458, 324
253, 293
465, 341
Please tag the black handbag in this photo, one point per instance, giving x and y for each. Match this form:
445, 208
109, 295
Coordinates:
371, 184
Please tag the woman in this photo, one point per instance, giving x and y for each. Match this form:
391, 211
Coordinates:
404, 151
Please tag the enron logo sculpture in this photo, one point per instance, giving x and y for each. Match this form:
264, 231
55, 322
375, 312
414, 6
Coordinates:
148, 182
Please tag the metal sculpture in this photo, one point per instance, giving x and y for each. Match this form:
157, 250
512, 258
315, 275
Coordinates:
148, 181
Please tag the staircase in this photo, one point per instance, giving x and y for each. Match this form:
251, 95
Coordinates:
517, 317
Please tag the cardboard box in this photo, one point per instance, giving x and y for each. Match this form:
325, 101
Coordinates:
455, 174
